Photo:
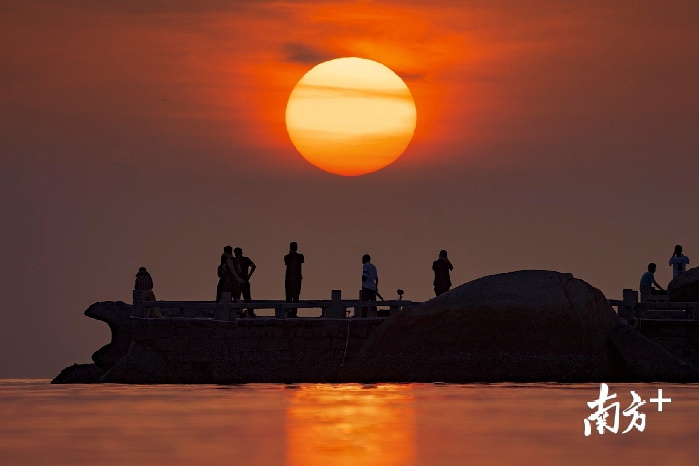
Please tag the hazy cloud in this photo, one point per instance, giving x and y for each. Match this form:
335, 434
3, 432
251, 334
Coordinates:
302, 53
323, 91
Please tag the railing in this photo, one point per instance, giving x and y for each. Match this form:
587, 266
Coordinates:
657, 306
225, 310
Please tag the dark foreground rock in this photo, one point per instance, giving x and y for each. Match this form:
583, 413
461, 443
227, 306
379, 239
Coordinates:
644, 361
118, 316
79, 373
685, 287
526, 326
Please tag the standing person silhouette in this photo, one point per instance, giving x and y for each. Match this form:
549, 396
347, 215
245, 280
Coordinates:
678, 261
231, 280
370, 282
441, 267
293, 277
221, 270
247, 268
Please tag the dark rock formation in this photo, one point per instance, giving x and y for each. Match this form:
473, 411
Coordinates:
79, 373
118, 316
528, 326
694, 360
685, 287
644, 361
674, 332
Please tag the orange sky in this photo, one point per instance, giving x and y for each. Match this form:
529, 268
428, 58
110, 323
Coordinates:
557, 135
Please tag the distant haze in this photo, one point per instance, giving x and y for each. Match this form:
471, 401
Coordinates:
550, 135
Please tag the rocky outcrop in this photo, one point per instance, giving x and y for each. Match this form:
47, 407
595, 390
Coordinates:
118, 316
79, 373
527, 326
685, 287
644, 361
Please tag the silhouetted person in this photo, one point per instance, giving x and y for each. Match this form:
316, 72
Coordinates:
144, 284
678, 261
293, 277
441, 267
231, 281
221, 271
647, 283
247, 268
370, 282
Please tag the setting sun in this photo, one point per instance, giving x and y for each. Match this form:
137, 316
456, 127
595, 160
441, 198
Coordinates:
351, 116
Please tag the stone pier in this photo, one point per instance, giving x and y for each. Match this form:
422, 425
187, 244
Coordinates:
249, 350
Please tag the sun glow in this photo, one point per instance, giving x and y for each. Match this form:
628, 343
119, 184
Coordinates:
351, 116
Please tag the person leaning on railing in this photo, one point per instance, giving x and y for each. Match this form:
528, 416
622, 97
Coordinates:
647, 283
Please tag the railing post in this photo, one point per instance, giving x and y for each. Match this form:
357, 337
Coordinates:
138, 310
224, 309
358, 309
630, 298
336, 310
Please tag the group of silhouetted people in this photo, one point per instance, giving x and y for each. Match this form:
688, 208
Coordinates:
649, 287
235, 270
234, 274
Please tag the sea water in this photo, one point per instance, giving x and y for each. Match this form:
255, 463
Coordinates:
344, 424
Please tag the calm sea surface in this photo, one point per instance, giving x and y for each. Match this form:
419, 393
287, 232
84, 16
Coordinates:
352, 424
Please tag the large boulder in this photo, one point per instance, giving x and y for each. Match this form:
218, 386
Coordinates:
685, 287
530, 325
118, 316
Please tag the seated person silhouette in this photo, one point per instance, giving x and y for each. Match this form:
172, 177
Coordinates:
647, 283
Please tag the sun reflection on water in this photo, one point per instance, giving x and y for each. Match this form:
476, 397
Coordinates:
351, 424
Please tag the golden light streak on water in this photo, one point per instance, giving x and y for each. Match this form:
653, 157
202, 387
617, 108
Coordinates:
351, 424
